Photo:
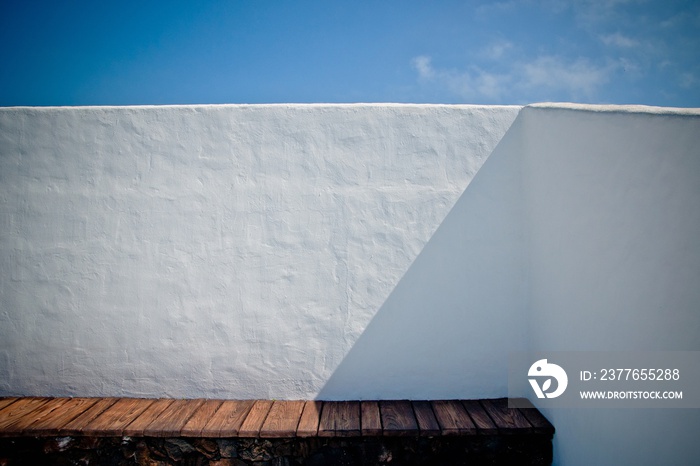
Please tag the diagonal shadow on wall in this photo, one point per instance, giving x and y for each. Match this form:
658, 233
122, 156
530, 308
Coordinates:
447, 328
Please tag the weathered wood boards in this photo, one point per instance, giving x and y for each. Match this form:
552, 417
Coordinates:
340, 419
310, 418
282, 420
398, 418
102, 417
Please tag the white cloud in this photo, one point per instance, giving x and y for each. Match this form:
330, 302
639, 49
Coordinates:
423, 65
618, 40
496, 50
586, 11
491, 85
595, 11
575, 77
476, 84
688, 17
631, 67
545, 75
470, 84
673, 22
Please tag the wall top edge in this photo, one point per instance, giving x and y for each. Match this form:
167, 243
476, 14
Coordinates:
267, 105
598, 108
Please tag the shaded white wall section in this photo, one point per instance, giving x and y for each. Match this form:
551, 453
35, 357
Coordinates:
216, 251
613, 223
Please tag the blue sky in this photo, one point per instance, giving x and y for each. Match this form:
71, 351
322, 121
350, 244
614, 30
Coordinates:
259, 51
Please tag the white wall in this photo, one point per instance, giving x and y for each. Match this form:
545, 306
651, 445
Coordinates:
448, 326
215, 251
613, 224
349, 251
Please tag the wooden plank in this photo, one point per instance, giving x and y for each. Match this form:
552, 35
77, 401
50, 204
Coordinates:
51, 424
481, 419
228, 419
539, 423
452, 417
255, 419
348, 421
171, 421
425, 417
38, 414
507, 420
200, 418
12, 413
138, 426
340, 419
113, 420
310, 417
398, 418
7, 401
326, 427
76, 426
371, 418
282, 420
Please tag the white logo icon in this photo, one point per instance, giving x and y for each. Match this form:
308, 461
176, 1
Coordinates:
544, 369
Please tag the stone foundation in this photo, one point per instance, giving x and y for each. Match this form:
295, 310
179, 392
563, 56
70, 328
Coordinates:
118, 451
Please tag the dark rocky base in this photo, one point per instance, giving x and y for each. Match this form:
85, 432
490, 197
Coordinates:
110, 451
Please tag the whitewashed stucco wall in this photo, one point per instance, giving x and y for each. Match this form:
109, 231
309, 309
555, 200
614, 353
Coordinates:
349, 251
613, 225
218, 251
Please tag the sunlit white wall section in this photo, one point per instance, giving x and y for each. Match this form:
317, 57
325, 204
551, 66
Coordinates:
215, 251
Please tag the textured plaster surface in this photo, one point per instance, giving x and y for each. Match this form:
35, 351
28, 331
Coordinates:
449, 325
215, 251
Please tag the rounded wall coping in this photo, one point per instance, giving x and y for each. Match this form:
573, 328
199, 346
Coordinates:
602, 108
597, 108
267, 105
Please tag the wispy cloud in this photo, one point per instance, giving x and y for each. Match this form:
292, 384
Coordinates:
630, 67
596, 50
544, 75
423, 65
690, 17
478, 84
618, 40
584, 10
602, 11
496, 50
468, 84
577, 77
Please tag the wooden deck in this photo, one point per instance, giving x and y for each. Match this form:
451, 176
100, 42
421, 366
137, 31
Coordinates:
118, 417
